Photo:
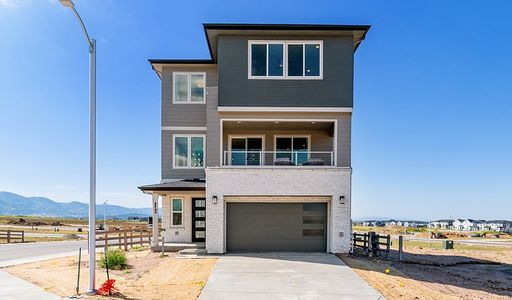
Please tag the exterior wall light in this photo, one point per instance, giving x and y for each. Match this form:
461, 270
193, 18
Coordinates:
342, 199
214, 199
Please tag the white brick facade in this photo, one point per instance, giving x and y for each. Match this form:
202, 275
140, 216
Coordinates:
329, 181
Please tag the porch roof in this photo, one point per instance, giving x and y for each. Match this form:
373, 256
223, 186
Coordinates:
179, 185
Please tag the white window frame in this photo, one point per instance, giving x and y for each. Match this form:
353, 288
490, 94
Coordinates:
276, 136
241, 136
189, 150
178, 211
189, 87
285, 44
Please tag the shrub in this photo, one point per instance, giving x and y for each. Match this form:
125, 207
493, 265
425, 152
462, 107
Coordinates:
116, 259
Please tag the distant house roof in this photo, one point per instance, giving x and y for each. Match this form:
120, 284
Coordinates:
180, 185
443, 220
213, 30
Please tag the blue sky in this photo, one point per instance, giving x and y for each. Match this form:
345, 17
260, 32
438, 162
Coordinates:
432, 123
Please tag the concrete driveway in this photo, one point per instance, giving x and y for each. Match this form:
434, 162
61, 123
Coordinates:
285, 276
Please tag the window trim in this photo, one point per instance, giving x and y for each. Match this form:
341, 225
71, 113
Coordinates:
285, 44
172, 211
189, 87
189, 150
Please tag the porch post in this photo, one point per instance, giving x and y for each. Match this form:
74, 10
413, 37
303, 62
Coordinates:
154, 239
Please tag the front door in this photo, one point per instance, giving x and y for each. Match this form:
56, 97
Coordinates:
198, 219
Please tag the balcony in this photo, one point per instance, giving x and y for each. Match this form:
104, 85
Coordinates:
255, 158
282, 143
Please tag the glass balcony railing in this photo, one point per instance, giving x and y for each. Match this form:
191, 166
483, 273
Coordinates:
278, 158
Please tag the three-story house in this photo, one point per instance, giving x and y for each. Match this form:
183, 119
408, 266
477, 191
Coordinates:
256, 140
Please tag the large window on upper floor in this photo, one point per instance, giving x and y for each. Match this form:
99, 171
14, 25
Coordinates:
189, 151
285, 60
189, 87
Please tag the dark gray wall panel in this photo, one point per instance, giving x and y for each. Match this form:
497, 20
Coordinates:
274, 227
334, 90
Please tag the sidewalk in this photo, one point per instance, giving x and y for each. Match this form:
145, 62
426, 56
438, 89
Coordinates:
14, 288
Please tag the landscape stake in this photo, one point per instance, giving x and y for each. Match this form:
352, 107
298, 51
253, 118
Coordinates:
79, 263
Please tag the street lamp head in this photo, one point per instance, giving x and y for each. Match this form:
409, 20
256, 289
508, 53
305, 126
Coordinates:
67, 3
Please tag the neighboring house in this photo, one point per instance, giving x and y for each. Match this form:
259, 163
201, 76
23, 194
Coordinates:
458, 224
256, 141
442, 224
496, 225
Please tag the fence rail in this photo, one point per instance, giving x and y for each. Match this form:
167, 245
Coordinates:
12, 236
123, 238
372, 243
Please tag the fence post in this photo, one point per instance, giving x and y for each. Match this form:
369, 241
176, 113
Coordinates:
23, 236
106, 239
125, 241
8, 236
141, 232
119, 240
163, 244
371, 241
388, 245
400, 247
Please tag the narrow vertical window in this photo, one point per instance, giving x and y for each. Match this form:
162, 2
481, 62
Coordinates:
275, 60
181, 88
177, 212
312, 60
180, 151
295, 60
259, 60
197, 152
197, 88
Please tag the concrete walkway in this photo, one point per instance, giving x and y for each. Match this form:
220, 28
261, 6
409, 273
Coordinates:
14, 288
285, 276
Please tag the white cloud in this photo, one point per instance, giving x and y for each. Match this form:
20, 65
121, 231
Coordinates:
8, 3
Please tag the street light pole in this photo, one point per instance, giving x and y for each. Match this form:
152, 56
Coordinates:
92, 147
105, 215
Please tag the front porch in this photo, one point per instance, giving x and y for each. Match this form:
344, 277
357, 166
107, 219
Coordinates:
181, 204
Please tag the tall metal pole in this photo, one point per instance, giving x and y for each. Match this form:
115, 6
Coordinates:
92, 167
105, 215
91, 43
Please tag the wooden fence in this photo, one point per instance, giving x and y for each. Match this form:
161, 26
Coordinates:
123, 238
12, 236
371, 243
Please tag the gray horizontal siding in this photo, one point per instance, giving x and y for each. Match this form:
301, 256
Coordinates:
168, 172
184, 114
334, 90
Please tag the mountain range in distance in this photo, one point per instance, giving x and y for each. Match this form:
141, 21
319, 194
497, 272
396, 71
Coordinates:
14, 204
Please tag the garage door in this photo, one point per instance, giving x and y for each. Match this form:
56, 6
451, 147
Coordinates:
277, 227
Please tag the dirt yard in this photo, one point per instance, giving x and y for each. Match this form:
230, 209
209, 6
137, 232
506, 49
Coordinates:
148, 277
430, 273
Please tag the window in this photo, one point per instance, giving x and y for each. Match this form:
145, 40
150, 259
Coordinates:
177, 211
295, 148
188, 151
285, 59
189, 87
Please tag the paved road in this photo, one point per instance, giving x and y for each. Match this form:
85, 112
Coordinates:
284, 276
13, 254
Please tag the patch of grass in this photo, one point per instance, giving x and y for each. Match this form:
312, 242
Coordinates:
116, 259
137, 248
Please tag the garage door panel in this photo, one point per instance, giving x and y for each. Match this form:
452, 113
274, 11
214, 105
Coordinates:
276, 226
263, 220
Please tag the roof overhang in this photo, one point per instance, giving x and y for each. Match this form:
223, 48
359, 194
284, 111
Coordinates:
213, 30
175, 186
158, 64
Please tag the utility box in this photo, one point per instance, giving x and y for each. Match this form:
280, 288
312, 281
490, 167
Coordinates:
448, 244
